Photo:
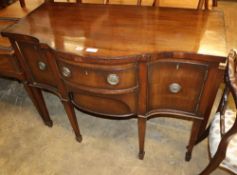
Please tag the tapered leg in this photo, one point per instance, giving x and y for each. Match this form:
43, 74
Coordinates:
203, 135
38, 100
213, 164
22, 2
72, 118
141, 134
193, 139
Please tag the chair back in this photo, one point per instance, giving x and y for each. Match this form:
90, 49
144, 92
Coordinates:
230, 88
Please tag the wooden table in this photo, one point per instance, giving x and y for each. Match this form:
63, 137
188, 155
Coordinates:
125, 61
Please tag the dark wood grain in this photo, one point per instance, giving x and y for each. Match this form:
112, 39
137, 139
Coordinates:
139, 30
145, 49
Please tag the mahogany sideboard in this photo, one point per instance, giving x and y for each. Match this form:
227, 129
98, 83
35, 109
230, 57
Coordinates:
125, 61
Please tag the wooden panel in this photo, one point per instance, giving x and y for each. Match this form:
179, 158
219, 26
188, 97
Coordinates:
97, 75
189, 75
34, 57
112, 105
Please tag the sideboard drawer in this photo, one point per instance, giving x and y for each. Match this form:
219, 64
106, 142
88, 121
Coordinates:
176, 85
99, 76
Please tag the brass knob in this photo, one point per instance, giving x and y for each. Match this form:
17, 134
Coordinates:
113, 79
41, 65
66, 72
175, 88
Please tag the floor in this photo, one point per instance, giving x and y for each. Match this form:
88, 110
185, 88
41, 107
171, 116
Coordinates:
109, 147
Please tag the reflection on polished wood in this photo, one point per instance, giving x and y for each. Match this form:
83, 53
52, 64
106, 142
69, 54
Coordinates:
125, 61
139, 30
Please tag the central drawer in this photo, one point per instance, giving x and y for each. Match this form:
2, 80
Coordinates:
99, 76
109, 90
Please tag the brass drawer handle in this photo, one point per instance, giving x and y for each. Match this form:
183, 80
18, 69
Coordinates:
113, 79
41, 65
66, 72
175, 88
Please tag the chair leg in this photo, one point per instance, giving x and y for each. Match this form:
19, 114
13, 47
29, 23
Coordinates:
141, 135
214, 3
214, 162
38, 100
72, 118
193, 139
22, 3
218, 157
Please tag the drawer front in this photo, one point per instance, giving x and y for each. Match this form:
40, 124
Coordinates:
119, 105
38, 64
109, 90
176, 85
110, 77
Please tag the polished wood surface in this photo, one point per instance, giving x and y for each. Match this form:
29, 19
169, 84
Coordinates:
139, 30
144, 63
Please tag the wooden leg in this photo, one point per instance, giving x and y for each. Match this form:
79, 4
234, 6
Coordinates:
201, 4
141, 135
214, 3
193, 139
38, 100
72, 118
203, 135
22, 2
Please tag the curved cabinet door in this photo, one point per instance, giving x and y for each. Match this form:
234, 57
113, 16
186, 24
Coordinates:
109, 90
176, 85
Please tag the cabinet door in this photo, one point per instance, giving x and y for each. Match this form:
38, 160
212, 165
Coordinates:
40, 69
176, 85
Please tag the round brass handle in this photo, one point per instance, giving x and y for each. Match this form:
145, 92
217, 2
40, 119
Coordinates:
66, 72
113, 79
175, 88
41, 65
